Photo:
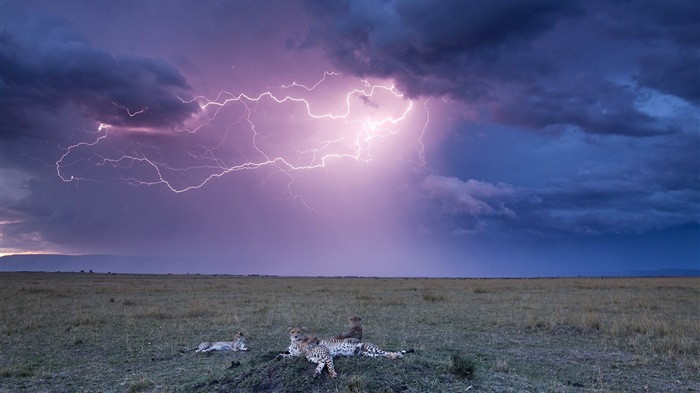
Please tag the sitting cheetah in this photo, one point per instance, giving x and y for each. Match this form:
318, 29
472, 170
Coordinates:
367, 349
317, 353
238, 344
355, 330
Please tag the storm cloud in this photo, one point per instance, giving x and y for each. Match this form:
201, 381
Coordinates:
47, 65
543, 137
507, 56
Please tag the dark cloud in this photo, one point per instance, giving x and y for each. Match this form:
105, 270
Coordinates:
432, 48
650, 186
672, 73
594, 208
650, 20
588, 104
520, 59
45, 65
669, 31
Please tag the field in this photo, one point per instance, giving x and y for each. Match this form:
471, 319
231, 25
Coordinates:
73, 332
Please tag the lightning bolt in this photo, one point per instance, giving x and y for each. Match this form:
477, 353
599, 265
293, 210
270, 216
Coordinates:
128, 111
344, 129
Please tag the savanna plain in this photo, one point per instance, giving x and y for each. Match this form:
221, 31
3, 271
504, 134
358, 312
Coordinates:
84, 332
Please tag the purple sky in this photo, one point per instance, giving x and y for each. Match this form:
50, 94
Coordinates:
390, 138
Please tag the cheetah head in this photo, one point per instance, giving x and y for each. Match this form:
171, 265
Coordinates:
309, 341
240, 341
297, 333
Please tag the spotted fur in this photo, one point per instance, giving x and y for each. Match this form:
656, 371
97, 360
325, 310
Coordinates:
342, 347
373, 351
338, 347
238, 344
295, 335
317, 353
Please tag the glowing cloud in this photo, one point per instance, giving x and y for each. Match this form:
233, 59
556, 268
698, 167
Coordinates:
291, 128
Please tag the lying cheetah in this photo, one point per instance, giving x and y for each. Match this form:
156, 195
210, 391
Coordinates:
339, 347
373, 351
336, 347
355, 330
295, 334
238, 344
317, 353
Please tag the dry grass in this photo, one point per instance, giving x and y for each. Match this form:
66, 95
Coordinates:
94, 332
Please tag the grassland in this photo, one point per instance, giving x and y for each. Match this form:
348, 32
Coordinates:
65, 332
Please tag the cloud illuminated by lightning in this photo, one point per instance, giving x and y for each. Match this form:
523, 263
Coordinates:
288, 129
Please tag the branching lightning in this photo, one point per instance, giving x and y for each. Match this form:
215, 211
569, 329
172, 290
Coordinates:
319, 134
128, 111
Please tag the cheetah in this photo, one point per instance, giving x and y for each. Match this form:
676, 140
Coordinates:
355, 330
336, 347
367, 349
238, 344
339, 347
295, 334
317, 353
373, 351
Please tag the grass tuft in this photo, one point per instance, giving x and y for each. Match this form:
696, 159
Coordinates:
154, 313
429, 296
8, 372
501, 366
592, 320
129, 303
356, 384
462, 367
197, 309
141, 385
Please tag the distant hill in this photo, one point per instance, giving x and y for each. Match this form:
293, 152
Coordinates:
664, 273
97, 264
164, 265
